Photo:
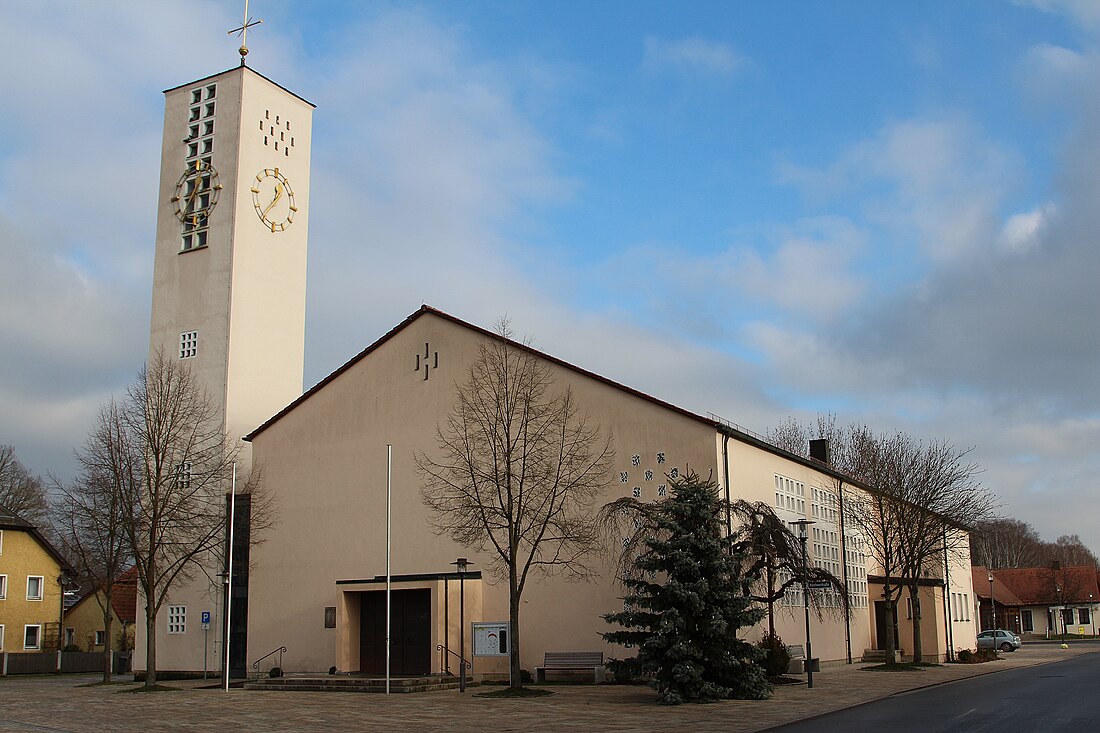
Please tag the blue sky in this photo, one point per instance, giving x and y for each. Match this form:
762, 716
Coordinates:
886, 210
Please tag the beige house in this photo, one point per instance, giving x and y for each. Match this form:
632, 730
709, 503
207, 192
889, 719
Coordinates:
317, 580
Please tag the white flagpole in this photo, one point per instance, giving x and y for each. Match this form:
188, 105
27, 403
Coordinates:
389, 502
229, 574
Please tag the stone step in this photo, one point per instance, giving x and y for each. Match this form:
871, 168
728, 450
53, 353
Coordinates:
329, 683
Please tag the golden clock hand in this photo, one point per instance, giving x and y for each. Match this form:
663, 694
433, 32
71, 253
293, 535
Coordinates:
194, 193
278, 195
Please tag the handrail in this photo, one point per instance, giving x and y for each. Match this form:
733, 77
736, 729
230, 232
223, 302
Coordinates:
440, 648
279, 651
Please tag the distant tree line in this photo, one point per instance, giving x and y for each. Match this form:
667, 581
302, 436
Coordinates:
1010, 543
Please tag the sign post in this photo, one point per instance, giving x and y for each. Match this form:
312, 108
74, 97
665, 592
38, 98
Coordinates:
205, 640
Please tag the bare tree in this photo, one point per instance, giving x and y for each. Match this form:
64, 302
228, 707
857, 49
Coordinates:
922, 499
91, 513
175, 507
1070, 550
21, 491
518, 469
1006, 543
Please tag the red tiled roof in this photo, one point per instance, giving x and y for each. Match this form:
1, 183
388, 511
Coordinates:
1038, 586
124, 597
1001, 592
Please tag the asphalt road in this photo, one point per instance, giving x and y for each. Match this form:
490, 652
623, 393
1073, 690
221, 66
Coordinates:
1052, 697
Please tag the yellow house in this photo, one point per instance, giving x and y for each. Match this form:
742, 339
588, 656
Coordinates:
30, 587
84, 620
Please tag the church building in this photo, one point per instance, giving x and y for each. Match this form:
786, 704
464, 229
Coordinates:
229, 300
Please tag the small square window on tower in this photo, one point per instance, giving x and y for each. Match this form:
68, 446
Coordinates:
196, 96
189, 344
196, 112
208, 127
177, 619
212, 91
209, 110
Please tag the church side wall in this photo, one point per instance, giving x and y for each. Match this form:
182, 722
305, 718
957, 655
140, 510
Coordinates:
753, 477
325, 463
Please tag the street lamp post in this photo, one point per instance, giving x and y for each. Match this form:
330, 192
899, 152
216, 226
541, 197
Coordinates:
992, 608
461, 563
1058, 592
802, 524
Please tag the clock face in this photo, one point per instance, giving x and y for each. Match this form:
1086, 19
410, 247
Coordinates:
273, 199
196, 194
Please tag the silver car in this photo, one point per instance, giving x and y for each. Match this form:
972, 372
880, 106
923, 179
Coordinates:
1006, 641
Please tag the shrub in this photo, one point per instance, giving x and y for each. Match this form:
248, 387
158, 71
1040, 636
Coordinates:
965, 656
777, 658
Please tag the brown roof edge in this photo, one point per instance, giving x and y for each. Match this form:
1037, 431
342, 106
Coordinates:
12, 521
427, 309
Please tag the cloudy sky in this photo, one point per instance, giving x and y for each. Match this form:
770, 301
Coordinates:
890, 211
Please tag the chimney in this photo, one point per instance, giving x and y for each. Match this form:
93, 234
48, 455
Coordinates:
819, 450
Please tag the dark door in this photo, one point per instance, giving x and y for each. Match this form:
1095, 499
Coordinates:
410, 632
880, 626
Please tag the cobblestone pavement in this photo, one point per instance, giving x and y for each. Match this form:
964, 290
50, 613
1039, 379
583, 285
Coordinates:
61, 705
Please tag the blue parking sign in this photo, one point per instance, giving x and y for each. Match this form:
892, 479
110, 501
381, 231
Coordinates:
206, 617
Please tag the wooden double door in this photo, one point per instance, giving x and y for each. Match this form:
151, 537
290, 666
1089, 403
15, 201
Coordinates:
410, 632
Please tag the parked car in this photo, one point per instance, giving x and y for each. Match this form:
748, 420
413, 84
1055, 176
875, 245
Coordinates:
1001, 639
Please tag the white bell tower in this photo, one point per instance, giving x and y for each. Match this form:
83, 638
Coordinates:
229, 285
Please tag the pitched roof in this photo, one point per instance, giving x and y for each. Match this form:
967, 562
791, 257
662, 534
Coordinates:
720, 426
1044, 586
1002, 594
11, 520
124, 597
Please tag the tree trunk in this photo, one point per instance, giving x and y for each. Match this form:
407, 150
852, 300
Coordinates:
891, 643
150, 645
515, 681
914, 595
771, 599
108, 649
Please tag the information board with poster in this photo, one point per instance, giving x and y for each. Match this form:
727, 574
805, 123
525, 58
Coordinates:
491, 639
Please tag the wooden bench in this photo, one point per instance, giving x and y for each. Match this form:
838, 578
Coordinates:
571, 662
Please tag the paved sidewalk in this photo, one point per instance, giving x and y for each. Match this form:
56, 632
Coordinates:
60, 705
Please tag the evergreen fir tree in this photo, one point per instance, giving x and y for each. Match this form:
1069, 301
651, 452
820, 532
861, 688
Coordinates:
686, 600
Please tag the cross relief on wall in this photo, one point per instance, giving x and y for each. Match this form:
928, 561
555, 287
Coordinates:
427, 361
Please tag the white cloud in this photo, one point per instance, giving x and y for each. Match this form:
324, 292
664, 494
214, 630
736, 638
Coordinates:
1023, 232
1084, 12
934, 182
691, 55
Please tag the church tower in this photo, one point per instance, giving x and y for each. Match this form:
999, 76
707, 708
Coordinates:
229, 275
229, 283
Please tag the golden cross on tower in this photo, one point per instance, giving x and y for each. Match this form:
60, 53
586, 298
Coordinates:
242, 31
